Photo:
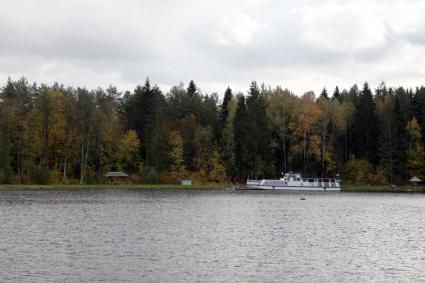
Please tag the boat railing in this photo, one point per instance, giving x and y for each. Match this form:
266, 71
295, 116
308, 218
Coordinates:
314, 182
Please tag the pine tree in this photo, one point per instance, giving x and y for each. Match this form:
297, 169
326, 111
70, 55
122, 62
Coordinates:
241, 136
336, 94
386, 138
259, 133
228, 141
6, 113
402, 116
224, 110
324, 93
192, 90
144, 110
365, 127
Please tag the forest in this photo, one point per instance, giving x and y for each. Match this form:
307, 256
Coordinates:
56, 134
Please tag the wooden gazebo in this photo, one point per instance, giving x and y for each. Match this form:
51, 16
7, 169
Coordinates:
415, 180
117, 178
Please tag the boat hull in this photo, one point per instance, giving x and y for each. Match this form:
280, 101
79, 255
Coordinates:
294, 188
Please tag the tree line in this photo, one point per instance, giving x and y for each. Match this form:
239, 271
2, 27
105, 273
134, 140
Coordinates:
57, 134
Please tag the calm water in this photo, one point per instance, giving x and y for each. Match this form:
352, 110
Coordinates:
169, 236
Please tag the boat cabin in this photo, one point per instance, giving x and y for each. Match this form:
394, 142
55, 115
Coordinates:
296, 179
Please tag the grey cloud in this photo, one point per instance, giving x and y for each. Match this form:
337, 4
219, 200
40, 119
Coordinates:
302, 44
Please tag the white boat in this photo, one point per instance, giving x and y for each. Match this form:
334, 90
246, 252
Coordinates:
295, 182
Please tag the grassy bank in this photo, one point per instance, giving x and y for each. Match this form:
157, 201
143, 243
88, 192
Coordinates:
106, 186
383, 189
345, 187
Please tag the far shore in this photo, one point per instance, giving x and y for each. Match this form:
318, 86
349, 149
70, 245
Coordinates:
345, 188
383, 189
107, 186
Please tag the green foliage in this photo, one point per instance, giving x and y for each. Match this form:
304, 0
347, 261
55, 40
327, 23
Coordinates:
357, 171
379, 176
52, 134
258, 132
416, 153
128, 153
149, 175
41, 175
241, 136
365, 130
228, 140
217, 171
282, 112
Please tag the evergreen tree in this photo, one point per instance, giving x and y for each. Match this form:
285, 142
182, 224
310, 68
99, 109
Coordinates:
241, 136
6, 113
418, 107
365, 127
144, 110
223, 115
336, 94
228, 141
386, 138
324, 93
192, 89
224, 110
402, 116
259, 133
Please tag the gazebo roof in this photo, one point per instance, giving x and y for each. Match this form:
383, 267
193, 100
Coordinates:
415, 179
116, 174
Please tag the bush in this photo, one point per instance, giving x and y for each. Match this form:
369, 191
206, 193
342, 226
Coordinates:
55, 176
41, 175
173, 177
149, 176
379, 177
6, 177
357, 171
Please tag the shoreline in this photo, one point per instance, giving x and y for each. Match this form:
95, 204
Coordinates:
383, 189
345, 188
107, 186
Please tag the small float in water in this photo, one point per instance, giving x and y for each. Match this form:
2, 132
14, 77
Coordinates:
295, 182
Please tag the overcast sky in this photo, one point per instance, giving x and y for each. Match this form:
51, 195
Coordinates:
302, 45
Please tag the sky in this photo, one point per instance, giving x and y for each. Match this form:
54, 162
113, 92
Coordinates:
300, 45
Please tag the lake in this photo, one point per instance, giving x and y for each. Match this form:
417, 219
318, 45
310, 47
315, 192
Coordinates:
222, 236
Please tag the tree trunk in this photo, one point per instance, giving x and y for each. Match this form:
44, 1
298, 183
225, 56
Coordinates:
323, 159
304, 150
84, 157
64, 169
